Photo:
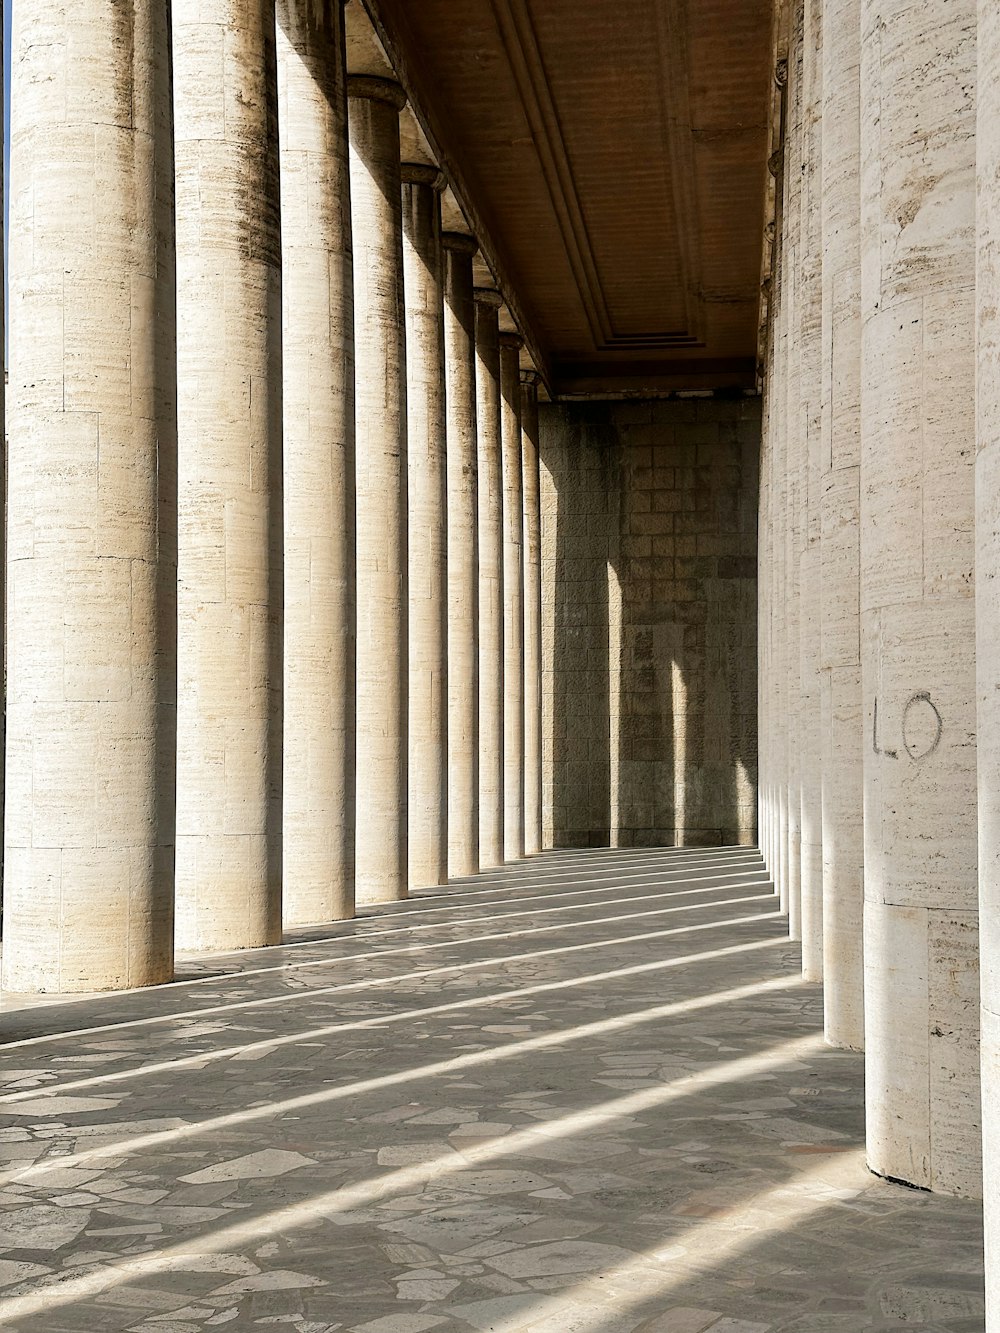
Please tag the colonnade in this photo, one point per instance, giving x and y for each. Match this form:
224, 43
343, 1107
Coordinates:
880, 563
273, 643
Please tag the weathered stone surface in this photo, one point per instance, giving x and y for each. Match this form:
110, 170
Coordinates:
229, 588
463, 556
772, 561
318, 394
988, 621
532, 542
513, 597
794, 457
380, 397
427, 526
843, 795
917, 621
88, 892
491, 612
544, 1142
810, 290
649, 623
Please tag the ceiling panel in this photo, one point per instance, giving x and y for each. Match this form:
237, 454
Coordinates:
617, 154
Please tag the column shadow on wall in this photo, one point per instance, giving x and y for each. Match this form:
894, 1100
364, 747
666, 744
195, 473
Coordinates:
653, 595
582, 468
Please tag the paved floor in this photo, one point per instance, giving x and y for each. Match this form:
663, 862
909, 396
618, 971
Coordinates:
587, 1094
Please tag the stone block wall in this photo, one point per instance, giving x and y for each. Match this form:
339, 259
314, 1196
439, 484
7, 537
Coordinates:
649, 605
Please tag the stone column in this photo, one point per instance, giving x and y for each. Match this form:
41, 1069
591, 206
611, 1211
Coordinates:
463, 556
3, 466
428, 525
89, 829
793, 459
513, 596
809, 740
763, 636
778, 508
318, 358
988, 618
842, 732
491, 616
769, 725
532, 545
918, 645
230, 505
380, 397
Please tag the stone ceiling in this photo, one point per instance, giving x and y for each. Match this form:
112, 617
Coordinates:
614, 157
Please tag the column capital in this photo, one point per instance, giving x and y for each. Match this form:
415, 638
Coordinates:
513, 340
488, 296
530, 379
422, 173
460, 242
375, 89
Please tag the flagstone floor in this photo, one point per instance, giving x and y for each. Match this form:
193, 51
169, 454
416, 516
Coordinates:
584, 1094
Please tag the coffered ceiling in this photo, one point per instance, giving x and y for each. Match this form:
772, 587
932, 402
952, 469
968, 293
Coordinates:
615, 156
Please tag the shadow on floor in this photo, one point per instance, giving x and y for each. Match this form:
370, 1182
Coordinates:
587, 1093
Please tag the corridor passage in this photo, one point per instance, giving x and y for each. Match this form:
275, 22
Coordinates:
587, 1093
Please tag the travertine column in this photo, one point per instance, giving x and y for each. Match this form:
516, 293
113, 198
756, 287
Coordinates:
380, 397
777, 507
89, 831
532, 543
842, 732
428, 526
463, 556
230, 507
918, 660
793, 460
764, 633
513, 597
766, 562
318, 358
3, 458
768, 723
810, 537
491, 616
988, 624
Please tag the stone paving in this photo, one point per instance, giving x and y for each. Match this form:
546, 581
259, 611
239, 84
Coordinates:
584, 1094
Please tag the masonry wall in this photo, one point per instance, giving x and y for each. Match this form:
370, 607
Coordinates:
649, 564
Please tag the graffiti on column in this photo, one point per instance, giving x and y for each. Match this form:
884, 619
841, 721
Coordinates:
922, 728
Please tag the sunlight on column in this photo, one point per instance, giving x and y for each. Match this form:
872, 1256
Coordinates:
614, 699
679, 712
745, 804
332, 1203
548, 504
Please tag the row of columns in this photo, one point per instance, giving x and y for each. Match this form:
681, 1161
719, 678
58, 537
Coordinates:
273, 641
880, 563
